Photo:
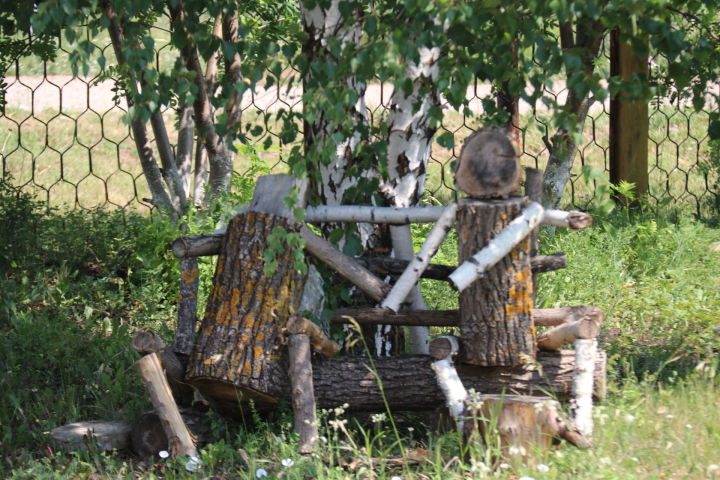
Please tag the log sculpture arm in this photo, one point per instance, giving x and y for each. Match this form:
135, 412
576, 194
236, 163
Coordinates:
449, 381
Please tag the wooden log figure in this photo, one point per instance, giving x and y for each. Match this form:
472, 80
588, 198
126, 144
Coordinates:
488, 167
495, 310
237, 355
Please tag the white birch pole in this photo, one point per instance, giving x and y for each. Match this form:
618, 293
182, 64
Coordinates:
500, 246
582, 387
419, 263
449, 382
370, 214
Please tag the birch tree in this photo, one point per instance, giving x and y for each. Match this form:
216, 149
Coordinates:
203, 88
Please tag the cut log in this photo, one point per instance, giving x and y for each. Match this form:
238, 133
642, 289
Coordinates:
386, 265
344, 265
417, 265
495, 311
488, 166
180, 440
104, 435
237, 352
567, 333
319, 341
542, 317
573, 220
408, 381
303, 396
187, 306
522, 423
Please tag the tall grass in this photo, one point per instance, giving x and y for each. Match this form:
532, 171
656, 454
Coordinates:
74, 287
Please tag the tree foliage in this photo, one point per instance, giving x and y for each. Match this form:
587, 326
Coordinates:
226, 48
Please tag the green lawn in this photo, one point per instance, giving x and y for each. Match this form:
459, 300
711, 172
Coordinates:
75, 286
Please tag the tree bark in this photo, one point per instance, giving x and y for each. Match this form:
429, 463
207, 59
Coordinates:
495, 311
562, 146
237, 354
408, 382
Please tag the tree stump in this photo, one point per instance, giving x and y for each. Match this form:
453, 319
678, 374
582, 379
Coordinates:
495, 311
522, 424
237, 355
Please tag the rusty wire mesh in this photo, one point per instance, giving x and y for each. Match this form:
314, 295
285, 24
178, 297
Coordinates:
63, 138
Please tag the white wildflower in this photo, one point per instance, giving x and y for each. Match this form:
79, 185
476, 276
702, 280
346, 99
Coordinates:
395, 477
287, 462
504, 466
526, 478
261, 473
543, 468
669, 416
687, 425
713, 468
634, 459
629, 418
378, 418
163, 454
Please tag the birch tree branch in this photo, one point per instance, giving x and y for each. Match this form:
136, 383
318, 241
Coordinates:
500, 246
417, 265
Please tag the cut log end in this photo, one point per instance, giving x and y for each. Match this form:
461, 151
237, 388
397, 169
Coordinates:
488, 167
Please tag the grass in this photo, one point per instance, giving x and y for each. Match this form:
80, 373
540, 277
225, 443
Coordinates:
75, 286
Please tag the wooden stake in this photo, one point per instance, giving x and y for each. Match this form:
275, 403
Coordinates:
303, 395
567, 333
179, 438
187, 306
417, 265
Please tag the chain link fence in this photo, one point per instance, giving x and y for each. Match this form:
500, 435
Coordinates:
63, 137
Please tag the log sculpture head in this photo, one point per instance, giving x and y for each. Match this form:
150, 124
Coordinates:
488, 166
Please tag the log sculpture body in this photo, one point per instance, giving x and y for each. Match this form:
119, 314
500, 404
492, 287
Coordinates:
495, 311
237, 354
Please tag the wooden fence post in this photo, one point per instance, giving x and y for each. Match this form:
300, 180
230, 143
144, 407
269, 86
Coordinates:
629, 122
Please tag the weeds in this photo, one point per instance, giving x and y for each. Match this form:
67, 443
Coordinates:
75, 286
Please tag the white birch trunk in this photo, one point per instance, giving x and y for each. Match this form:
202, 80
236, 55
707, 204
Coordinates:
500, 246
419, 337
582, 388
419, 263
